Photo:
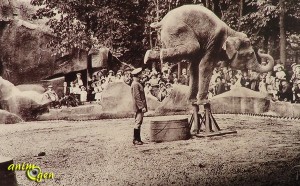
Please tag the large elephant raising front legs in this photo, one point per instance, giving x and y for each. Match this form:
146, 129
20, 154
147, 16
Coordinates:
195, 34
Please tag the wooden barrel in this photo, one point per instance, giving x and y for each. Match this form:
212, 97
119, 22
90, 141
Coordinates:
7, 177
169, 130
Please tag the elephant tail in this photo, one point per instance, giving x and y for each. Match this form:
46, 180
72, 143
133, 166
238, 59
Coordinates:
156, 25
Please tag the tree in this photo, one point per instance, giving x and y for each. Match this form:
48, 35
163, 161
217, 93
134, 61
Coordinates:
282, 32
86, 24
261, 18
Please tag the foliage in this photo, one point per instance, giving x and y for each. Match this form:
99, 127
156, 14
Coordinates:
262, 17
86, 24
123, 26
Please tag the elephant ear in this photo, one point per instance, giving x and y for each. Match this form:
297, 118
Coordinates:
231, 46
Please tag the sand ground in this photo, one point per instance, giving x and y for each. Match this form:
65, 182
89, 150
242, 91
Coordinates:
263, 152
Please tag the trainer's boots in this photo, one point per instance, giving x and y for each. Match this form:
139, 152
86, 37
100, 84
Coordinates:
137, 137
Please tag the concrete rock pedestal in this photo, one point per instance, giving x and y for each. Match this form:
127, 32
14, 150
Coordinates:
7, 177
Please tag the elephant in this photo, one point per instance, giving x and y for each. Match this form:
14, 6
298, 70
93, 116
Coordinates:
195, 34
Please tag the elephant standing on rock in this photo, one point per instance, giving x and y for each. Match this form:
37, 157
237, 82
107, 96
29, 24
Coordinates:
195, 34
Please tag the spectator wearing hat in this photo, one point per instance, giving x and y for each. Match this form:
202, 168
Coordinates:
280, 74
238, 76
72, 86
153, 71
104, 84
219, 86
101, 77
160, 78
278, 64
119, 76
144, 79
147, 88
165, 75
148, 92
127, 76
297, 92
216, 73
285, 91
296, 73
228, 73
262, 87
104, 72
51, 97
169, 88
83, 94
166, 67
154, 80
232, 83
66, 89
76, 89
78, 79
271, 92
270, 80
139, 104
174, 79
167, 78
90, 88
254, 80
184, 78
98, 92
110, 78
162, 93
97, 75
245, 80
148, 73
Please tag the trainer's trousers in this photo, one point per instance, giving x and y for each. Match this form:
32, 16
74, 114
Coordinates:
138, 119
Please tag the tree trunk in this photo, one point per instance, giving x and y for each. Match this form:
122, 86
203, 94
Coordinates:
179, 70
241, 10
266, 43
216, 8
157, 10
282, 33
89, 68
207, 4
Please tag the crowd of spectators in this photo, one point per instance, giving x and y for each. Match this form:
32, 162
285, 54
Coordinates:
278, 84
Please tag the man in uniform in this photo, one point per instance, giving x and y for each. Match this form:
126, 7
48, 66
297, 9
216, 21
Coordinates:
139, 104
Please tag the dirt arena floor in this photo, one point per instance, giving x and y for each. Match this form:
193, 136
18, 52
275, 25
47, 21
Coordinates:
81, 153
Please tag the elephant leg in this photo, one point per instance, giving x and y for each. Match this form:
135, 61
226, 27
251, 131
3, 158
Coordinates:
194, 81
179, 42
179, 53
175, 54
151, 55
206, 67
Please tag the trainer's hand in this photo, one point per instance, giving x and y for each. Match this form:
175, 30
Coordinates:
144, 110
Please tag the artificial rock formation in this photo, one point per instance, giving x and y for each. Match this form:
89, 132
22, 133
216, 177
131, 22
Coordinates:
24, 57
26, 104
9, 118
117, 97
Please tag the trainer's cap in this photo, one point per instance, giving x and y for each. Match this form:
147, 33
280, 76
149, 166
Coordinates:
136, 71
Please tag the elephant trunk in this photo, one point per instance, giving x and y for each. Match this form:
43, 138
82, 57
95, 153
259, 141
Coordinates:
263, 68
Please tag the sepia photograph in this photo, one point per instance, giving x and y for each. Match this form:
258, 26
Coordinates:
149, 92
